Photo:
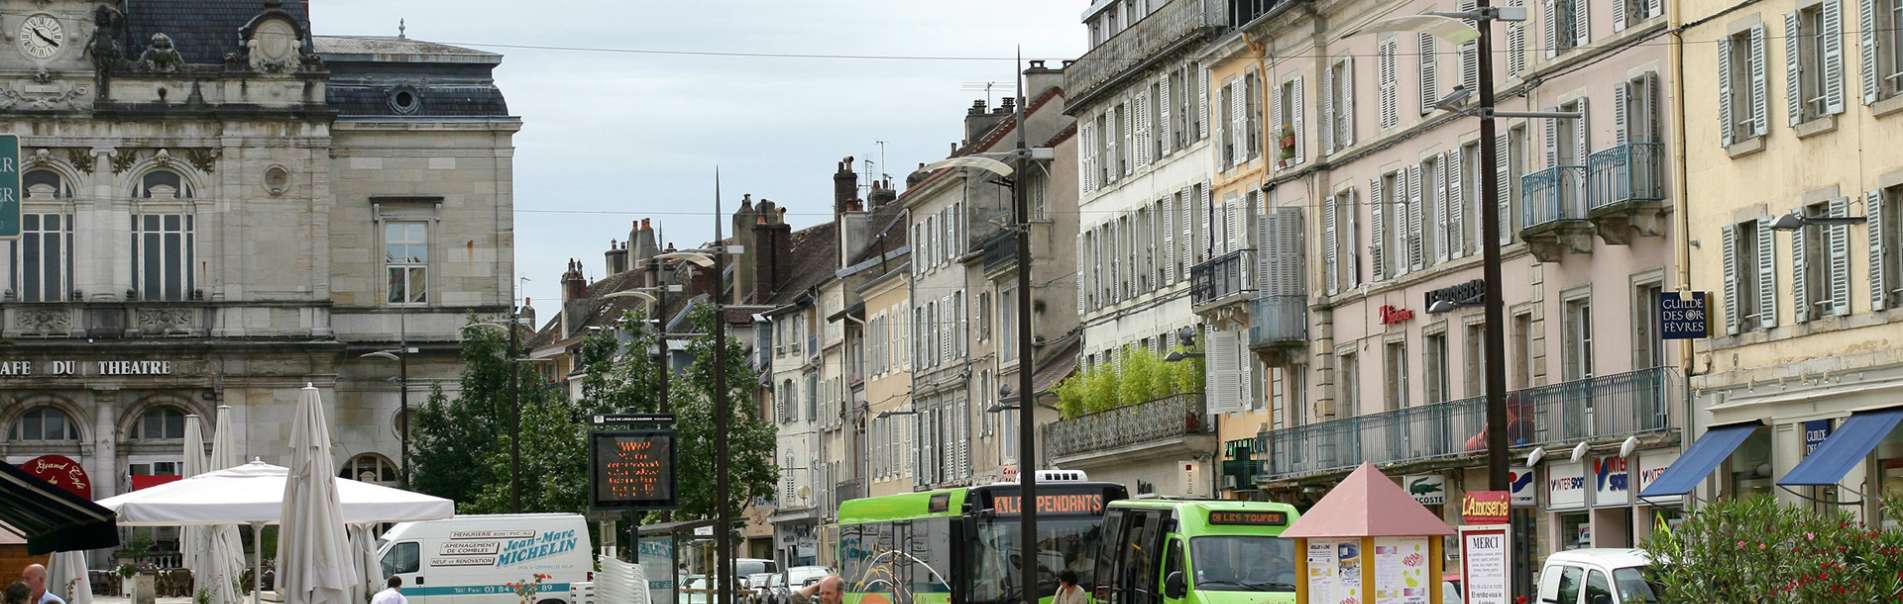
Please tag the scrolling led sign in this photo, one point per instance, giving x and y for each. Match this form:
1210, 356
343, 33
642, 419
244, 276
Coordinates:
1248, 518
632, 470
1083, 503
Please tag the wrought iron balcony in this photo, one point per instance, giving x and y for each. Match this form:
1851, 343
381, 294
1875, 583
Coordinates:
1553, 212
1600, 409
1632, 172
1178, 24
1161, 422
1221, 279
1276, 321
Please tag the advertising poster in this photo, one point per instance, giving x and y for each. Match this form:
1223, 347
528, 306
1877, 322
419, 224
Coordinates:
1652, 465
1485, 561
1565, 486
1320, 571
1520, 479
1611, 481
1348, 561
656, 562
1400, 570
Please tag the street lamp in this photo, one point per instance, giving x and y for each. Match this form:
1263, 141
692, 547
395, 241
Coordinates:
1796, 220
401, 355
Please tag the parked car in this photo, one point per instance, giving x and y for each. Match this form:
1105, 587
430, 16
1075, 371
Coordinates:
1597, 576
802, 576
461, 558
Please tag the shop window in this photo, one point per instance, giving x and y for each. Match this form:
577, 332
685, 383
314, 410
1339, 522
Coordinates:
1889, 469
43, 424
160, 423
1575, 532
369, 467
1748, 471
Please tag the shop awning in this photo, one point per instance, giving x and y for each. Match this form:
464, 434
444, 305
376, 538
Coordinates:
1848, 445
52, 519
1698, 461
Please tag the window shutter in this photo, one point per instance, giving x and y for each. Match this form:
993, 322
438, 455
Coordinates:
1654, 8
1222, 388
1167, 252
1653, 127
1111, 139
1734, 306
1245, 382
1202, 103
1185, 217
1618, 15
1726, 126
1767, 275
1873, 230
1469, 54
1266, 248
1349, 234
1327, 100
1346, 136
1552, 140
1793, 69
1377, 253
1456, 204
1239, 118
1140, 151
1833, 56
1301, 154
1208, 208
1275, 122
1503, 180
1867, 49
1166, 128
1582, 134
1621, 95
1231, 219
1077, 279
1516, 42
1331, 272
1083, 158
1430, 80
1839, 242
1550, 16
1582, 31
1390, 95
1800, 283
1760, 98
1127, 159
1416, 256
1442, 214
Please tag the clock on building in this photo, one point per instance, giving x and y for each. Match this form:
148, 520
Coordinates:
41, 37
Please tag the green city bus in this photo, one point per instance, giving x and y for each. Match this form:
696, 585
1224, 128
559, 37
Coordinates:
1162, 551
961, 544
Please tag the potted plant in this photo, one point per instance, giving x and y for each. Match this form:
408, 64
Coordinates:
1285, 141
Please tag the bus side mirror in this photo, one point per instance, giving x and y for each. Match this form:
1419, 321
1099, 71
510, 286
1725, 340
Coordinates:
1174, 586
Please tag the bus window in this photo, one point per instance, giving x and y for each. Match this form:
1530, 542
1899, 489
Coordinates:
1172, 564
1137, 573
1064, 543
1107, 559
1243, 563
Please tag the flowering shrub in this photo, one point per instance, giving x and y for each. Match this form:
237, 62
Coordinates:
1755, 549
525, 590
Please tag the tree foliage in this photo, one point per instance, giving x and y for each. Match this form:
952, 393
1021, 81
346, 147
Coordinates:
1754, 549
1137, 376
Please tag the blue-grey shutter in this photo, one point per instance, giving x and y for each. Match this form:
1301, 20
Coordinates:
1793, 69
1867, 49
1873, 230
1800, 284
1726, 127
1838, 247
1760, 95
1767, 275
1734, 305
1377, 202
1833, 59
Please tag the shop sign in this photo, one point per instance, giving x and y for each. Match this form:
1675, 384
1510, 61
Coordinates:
1391, 315
61, 471
1652, 465
1485, 507
20, 368
1684, 316
1468, 293
1520, 484
1611, 481
1565, 486
10, 190
1815, 433
1427, 489
1485, 562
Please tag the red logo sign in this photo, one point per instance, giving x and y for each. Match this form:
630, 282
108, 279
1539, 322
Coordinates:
62, 472
1391, 315
1485, 507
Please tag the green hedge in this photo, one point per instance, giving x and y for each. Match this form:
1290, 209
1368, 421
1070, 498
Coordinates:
1137, 376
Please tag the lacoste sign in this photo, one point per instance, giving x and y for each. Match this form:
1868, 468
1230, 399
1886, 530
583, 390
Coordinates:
1427, 489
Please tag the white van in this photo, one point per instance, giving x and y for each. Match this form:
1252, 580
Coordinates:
1596, 576
470, 559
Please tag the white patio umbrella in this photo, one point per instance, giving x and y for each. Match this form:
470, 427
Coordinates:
225, 550
363, 557
66, 577
314, 560
253, 493
193, 539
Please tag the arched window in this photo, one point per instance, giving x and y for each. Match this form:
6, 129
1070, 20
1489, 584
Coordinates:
42, 268
369, 467
162, 242
160, 423
44, 185
43, 424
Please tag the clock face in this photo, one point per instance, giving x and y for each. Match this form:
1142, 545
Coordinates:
41, 37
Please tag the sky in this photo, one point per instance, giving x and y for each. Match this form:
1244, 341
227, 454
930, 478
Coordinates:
609, 138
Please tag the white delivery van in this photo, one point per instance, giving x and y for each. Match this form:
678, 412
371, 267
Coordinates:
470, 559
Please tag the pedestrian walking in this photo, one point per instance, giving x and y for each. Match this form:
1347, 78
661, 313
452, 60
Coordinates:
1068, 592
392, 594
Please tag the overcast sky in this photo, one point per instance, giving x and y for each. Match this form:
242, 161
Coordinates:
616, 137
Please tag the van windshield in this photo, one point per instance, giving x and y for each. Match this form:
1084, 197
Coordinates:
1633, 587
1243, 563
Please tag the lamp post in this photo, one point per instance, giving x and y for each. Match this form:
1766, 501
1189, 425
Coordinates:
400, 354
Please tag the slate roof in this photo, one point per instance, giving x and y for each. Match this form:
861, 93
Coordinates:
389, 48
815, 251
373, 99
203, 30
447, 81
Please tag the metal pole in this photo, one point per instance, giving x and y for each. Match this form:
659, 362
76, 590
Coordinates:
515, 419
660, 330
1490, 245
723, 545
403, 381
1027, 399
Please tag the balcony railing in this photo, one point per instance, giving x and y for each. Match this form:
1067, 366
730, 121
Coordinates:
1627, 173
1152, 422
1278, 320
1176, 23
1220, 278
1553, 195
1597, 409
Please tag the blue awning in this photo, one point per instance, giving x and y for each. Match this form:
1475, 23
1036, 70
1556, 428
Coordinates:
1699, 460
1848, 445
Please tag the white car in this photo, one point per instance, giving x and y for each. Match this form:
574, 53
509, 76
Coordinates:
1597, 576
801, 576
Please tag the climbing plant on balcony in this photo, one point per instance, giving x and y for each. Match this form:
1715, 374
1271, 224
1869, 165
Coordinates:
1137, 376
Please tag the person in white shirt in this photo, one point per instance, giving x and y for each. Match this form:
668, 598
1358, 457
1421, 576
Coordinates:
391, 595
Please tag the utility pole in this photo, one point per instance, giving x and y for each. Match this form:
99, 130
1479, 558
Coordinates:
660, 327
1027, 399
403, 382
515, 415
1490, 245
723, 544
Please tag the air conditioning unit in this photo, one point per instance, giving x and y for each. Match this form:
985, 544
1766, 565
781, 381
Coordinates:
1194, 485
1229, 482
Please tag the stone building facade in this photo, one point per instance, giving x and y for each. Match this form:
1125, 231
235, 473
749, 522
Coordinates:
223, 208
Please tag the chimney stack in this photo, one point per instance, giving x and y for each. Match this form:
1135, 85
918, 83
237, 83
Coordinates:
1038, 78
616, 258
574, 285
978, 121
845, 187
882, 193
527, 312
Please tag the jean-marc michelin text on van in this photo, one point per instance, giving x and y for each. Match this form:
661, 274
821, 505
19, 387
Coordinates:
518, 551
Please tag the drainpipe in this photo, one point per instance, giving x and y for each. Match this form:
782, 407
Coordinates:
1680, 204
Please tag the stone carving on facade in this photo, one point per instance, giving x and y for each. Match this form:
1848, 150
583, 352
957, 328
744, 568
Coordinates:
277, 180
81, 159
122, 160
36, 95
108, 27
202, 159
161, 55
163, 158
39, 159
45, 321
164, 320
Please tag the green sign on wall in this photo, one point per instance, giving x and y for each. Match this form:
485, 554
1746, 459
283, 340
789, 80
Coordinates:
10, 193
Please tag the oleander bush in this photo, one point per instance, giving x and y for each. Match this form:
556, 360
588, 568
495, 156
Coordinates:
1757, 550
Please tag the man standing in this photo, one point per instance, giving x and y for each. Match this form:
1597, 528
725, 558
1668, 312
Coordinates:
35, 577
393, 594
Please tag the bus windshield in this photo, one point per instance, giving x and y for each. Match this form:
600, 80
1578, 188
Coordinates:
1063, 543
1243, 563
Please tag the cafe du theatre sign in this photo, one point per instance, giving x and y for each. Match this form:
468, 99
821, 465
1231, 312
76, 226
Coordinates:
21, 369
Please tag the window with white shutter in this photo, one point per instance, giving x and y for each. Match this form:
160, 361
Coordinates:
1439, 232
1201, 77
1416, 245
1388, 82
1377, 208
1460, 173
1767, 274
1226, 138
1331, 270
1252, 113
1469, 55
1516, 42
1838, 247
1880, 43
1326, 130
1185, 223
1813, 61
1880, 233
1297, 102
1429, 73
1350, 234
1126, 159
1159, 119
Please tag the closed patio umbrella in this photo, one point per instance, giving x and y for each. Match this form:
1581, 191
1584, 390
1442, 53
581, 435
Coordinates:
192, 540
66, 576
224, 559
314, 560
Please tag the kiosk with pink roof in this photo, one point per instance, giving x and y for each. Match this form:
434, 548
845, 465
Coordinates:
1367, 541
